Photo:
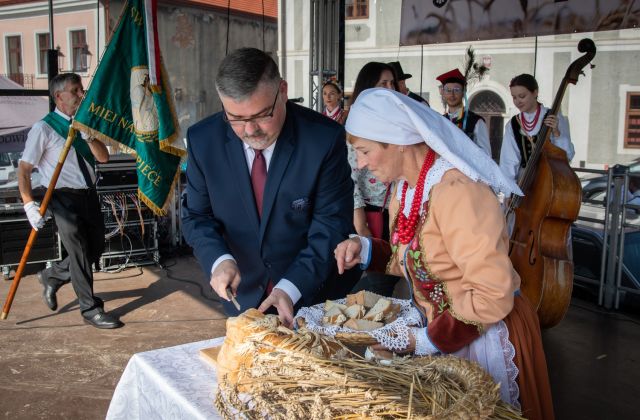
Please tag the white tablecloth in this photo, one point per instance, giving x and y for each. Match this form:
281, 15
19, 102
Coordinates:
170, 383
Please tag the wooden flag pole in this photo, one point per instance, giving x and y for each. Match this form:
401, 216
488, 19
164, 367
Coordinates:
34, 233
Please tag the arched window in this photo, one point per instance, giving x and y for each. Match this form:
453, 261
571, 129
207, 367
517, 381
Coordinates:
490, 106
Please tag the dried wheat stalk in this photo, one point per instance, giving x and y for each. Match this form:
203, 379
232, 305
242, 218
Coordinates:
292, 383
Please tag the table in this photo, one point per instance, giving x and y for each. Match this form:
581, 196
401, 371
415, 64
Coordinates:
169, 383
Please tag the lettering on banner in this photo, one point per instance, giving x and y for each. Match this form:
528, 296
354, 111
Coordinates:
111, 117
148, 171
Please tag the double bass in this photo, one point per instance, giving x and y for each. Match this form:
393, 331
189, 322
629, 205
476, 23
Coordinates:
540, 247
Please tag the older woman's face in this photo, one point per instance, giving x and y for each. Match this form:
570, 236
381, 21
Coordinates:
383, 163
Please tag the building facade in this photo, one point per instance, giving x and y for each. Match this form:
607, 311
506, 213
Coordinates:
603, 108
25, 32
194, 35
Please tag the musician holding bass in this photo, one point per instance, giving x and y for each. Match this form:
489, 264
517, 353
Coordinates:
522, 130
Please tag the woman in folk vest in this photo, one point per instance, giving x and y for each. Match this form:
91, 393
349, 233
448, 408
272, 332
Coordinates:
449, 241
520, 133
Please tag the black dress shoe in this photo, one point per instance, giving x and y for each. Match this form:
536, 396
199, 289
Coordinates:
49, 293
104, 320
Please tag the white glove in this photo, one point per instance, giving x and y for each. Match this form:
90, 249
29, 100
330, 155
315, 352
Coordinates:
33, 214
87, 137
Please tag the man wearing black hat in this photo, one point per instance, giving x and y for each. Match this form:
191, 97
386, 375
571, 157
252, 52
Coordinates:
402, 86
453, 89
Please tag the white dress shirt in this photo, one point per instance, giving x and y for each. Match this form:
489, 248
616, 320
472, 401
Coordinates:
510, 153
480, 133
285, 285
42, 150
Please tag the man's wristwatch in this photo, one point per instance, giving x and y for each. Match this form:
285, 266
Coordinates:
90, 140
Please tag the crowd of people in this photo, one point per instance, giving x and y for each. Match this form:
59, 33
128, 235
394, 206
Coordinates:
286, 207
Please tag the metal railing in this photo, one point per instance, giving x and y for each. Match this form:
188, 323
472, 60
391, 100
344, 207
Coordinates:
619, 218
23, 79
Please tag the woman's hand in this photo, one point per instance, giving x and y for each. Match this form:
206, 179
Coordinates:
408, 350
347, 254
552, 122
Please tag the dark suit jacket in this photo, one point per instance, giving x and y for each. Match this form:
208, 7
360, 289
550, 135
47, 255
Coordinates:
418, 98
307, 205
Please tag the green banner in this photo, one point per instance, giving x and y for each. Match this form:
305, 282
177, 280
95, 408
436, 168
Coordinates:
123, 106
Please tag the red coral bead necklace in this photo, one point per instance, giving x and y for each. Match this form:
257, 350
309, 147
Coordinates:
530, 125
406, 226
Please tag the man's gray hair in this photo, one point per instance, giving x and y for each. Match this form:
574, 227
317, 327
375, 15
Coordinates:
243, 70
60, 81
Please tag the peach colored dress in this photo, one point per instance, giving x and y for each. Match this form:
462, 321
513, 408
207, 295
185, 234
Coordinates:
463, 283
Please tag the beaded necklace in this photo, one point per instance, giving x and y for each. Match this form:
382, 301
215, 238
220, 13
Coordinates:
405, 228
529, 125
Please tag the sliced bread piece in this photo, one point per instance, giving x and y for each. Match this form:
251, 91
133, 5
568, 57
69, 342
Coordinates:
355, 311
379, 310
330, 304
362, 325
334, 316
364, 298
393, 314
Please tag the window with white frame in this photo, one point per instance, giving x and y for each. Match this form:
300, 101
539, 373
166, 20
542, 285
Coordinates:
78, 50
632, 121
13, 48
43, 46
356, 9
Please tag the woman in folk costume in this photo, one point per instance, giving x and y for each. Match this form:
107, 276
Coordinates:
449, 241
521, 131
332, 98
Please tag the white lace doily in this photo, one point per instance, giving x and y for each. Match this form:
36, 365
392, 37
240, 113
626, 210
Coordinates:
394, 336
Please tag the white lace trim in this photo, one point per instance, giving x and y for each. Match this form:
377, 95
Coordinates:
509, 353
434, 176
424, 346
393, 336
495, 353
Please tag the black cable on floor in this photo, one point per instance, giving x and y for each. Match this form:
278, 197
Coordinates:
196, 283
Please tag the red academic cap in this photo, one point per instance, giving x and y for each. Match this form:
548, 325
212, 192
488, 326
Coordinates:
452, 76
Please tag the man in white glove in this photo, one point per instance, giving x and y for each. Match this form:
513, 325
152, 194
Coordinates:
33, 214
74, 203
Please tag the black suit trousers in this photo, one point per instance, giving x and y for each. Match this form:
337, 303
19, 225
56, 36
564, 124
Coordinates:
81, 228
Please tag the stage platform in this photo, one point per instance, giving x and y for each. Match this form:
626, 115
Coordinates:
54, 366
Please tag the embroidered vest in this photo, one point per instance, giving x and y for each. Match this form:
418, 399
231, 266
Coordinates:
472, 120
524, 145
445, 331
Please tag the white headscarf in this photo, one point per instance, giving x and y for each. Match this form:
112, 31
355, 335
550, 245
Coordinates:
387, 116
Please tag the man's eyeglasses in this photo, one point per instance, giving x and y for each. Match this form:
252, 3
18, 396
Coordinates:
241, 122
455, 90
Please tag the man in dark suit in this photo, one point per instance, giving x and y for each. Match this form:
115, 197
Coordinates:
401, 76
269, 193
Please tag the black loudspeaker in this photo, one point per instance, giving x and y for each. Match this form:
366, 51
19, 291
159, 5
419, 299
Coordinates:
14, 232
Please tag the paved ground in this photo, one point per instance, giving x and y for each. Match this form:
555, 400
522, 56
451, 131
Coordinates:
54, 366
